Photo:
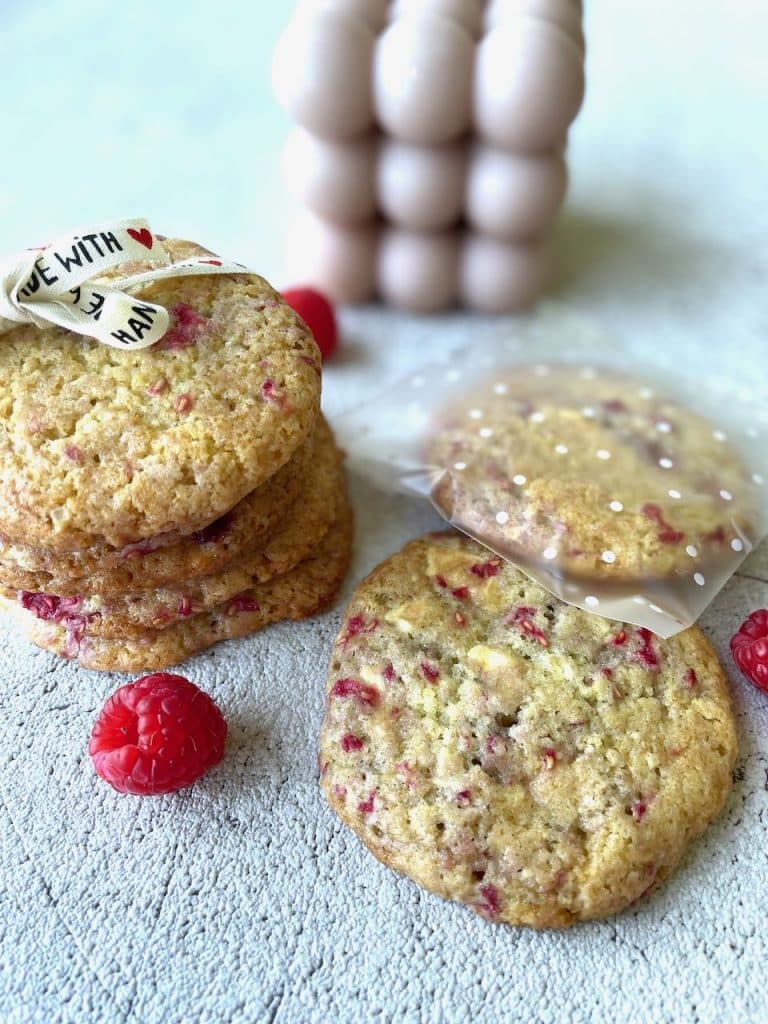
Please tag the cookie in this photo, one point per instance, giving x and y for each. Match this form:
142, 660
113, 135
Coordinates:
122, 616
597, 476
165, 559
299, 594
101, 446
501, 748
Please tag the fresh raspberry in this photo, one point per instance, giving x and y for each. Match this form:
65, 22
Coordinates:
749, 647
156, 735
317, 313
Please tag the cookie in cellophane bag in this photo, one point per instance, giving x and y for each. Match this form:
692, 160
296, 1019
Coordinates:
623, 495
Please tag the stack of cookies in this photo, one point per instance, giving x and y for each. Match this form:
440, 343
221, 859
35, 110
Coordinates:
154, 502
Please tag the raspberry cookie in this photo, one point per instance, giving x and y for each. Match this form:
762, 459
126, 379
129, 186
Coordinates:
594, 474
100, 446
121, 616
506, 750
169, 557
299, 594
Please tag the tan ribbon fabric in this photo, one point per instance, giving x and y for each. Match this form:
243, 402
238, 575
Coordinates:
58, 283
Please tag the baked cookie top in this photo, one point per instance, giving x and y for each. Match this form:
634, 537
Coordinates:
541, 764
596, 475
100, 446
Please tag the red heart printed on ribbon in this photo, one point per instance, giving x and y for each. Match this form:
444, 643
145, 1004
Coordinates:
214, 263
143, 237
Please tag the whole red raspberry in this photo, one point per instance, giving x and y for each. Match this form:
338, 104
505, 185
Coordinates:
749, 647
317, 313
156, 735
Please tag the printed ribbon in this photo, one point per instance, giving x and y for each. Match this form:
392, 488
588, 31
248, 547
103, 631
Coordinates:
58, 283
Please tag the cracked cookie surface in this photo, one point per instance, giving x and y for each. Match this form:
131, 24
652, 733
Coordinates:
541, 764
100, 446
598, 476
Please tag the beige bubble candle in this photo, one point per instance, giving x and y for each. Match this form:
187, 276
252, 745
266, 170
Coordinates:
427, 158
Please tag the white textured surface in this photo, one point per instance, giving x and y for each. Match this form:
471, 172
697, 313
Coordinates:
242, 899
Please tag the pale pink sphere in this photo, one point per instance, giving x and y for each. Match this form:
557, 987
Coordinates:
468, 13
501, 277
335, 180
418, 271
566, 14
321, 73
511, 195
422, 79
421, 187
529, 84
374, 12
338, 261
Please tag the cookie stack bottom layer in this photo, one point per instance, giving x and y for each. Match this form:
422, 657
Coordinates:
300, 593
260, 581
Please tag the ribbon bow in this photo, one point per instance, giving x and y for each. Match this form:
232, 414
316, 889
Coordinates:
58, 283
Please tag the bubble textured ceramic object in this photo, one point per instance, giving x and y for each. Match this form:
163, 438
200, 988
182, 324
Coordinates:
321, 74
335, 180
422, 79
418, 270
421, 187
373, 12
429, 149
